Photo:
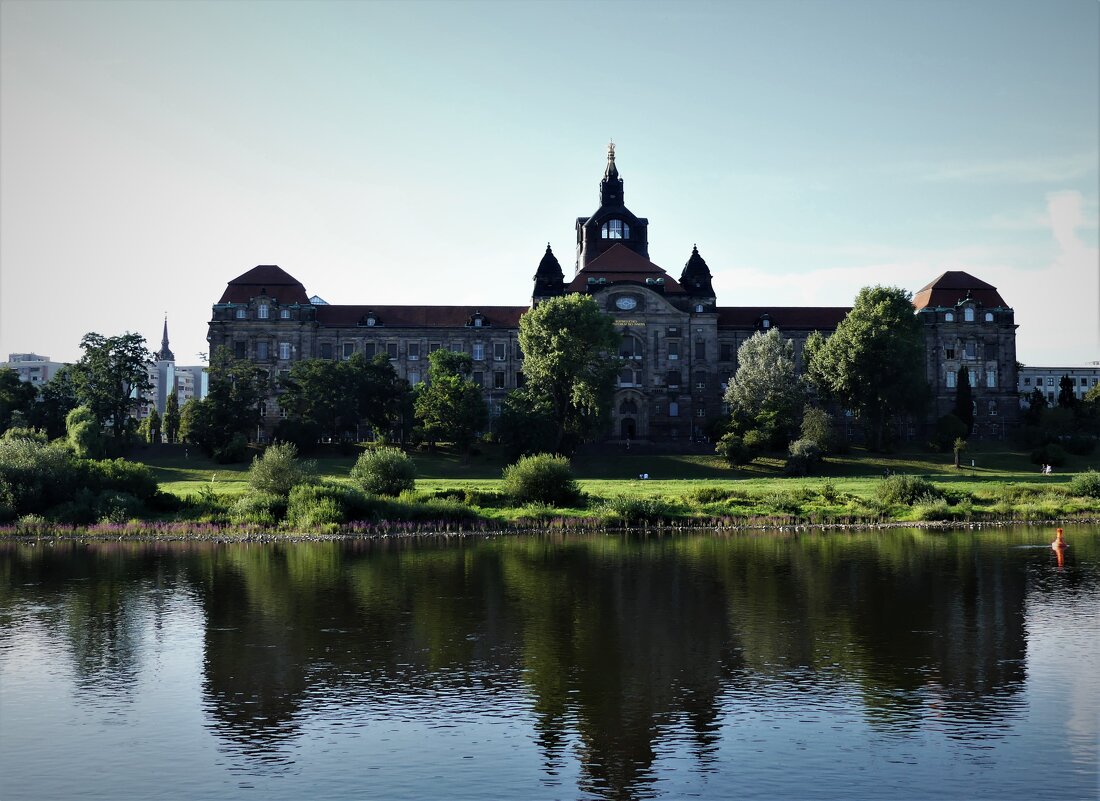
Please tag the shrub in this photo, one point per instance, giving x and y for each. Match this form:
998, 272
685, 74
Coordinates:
637, 510
236, 450
1079, 444
541, 478
707, 495
784, 502
829, 492
905, 490
756, 441
929, 507
262, 508
118, 474
731, 447
116, 507
315, 505
817, 427
384, 471
1049, 454
278, 470
34, 476
803, 457
1085, 485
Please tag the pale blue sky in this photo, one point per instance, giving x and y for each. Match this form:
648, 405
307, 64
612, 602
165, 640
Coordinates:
425, 152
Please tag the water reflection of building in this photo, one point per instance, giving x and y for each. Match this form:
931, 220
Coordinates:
616, 645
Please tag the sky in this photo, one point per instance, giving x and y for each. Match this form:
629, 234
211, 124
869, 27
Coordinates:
426, 152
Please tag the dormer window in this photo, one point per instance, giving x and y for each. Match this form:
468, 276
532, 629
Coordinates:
949, 317
698, 308
263, 311
241, 314
284, 314
615, 229
989, 317
765, 323
369, 319
968, 314
477, 320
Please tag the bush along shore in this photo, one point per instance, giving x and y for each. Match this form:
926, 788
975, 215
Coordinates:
45, 490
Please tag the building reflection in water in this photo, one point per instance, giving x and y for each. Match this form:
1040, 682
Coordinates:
611, 642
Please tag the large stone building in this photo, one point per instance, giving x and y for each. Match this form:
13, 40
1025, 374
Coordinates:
679, 346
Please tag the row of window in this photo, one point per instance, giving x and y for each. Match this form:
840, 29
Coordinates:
970, 351
327, 350
990, 378
1052, 381
968, 316
263, 312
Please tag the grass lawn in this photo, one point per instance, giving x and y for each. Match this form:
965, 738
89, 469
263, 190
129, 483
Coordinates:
616, 471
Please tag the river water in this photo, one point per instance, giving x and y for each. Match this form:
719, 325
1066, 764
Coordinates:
897, 664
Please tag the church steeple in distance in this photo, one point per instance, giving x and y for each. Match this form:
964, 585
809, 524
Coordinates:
611, 187
165, 353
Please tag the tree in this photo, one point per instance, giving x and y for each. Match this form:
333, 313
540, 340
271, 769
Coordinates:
172, 415
958, 446
56, 399
330, 398
150, 427
874, 362
568, 346
1066, 398
84, 434
766, 393
230, 412
817, 427
1036, 403
17, 398
451, 407
964, 400
112, 377
526, 424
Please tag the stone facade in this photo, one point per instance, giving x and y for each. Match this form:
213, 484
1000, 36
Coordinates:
679, 346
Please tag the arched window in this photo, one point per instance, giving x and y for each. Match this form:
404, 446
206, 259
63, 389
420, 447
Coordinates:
698, 308
263, 311
615, 229
968, 314
284, 314
949, 317
989, 317
241, 314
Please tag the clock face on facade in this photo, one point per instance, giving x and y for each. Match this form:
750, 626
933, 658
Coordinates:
625, 303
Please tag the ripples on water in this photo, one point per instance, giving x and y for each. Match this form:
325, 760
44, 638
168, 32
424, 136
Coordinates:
898, 664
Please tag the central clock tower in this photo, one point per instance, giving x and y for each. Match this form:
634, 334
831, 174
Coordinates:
613, 223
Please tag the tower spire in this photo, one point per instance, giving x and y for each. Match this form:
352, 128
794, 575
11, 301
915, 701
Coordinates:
165, 353
611, 187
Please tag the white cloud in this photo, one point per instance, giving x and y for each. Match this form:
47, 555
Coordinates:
1057, 303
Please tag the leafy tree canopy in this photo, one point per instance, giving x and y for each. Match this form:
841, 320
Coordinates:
231, 408
568, 346
450, 407
874, 361
17, 398
111, 378
172, 415
766, 392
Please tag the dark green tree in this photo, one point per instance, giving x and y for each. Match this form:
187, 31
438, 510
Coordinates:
111, 378
56, 399
1036, 402
451, 407
150, 427
569, 346
1066, 398
526, 424
230, 412
964, 400
17, 398
873, 363
172, 415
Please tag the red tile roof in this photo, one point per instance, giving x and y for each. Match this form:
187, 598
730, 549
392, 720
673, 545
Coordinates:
952, 287
619, 263
420, 316
813, 318
265, 279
